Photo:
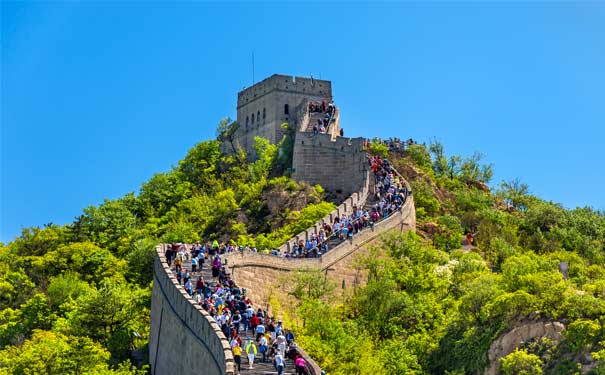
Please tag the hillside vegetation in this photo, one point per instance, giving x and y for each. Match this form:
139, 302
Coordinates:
432, 306
75, 299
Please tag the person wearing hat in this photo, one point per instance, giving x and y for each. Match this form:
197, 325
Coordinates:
250, 350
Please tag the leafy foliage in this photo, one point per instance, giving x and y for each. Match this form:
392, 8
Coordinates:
431, 306
521, 363
75, 299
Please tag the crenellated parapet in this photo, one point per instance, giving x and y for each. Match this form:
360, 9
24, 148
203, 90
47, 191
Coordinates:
251, 269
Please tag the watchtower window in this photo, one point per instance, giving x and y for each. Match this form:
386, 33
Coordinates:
258, 115
247, 121
286, 109
253, 119
264, 113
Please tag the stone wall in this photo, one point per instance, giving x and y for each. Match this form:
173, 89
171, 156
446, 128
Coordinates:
266, 102
184, 338
345, 208
337, 165
260, 273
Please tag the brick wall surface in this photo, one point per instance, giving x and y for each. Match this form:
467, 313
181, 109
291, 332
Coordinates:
184, 339
337, 165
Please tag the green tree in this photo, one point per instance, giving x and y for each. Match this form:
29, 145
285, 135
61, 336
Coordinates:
64, 289
162, 192
15, 286
583, 334
226, 131
520, 362
111, 224
265, 154
379, 148
140, 261
440, 165
109, 315
472, 170
52, 353
516, 193
420, 156
199, 167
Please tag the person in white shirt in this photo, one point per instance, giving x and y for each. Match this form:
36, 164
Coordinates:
264, 347
281, 344
279, 363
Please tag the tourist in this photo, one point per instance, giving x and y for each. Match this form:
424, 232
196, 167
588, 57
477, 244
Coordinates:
263, 347
193, 264
236, 320
280, 364
250, 350
260, 330
281, 344
301, 365
237, 356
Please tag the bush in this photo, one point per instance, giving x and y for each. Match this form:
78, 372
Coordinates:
520, 362
379, 148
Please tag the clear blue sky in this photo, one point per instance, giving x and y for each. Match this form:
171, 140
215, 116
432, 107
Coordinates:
97, 97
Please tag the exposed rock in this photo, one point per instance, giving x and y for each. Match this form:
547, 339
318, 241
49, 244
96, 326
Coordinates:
429, 228
508, 342
478, 185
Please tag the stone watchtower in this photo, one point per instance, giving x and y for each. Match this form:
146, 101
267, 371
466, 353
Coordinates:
262, 108
320, 156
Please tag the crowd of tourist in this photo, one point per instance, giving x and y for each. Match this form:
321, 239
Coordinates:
328, 109
248, 329
390, 194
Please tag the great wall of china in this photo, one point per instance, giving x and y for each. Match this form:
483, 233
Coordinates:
184, 338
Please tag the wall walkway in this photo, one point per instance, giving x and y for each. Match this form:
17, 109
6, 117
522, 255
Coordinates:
250, 270
184, 338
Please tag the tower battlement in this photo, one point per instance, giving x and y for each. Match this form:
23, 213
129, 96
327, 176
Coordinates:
288, 84
263, 107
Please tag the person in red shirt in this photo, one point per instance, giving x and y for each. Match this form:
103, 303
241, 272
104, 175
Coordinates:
254, 322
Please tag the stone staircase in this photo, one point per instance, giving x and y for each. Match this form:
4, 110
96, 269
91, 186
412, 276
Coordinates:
368, 204
260, 368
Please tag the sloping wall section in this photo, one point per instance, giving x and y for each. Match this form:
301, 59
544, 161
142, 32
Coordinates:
261, 273
184, 338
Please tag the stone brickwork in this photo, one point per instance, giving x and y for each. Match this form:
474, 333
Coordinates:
184, 338
345, 208
338, 165
262, 108
260, 273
